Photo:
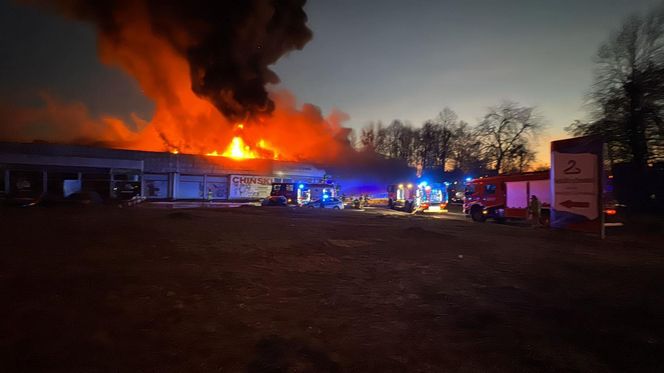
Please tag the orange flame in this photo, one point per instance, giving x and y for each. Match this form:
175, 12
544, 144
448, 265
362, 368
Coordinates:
182, 121
237, 150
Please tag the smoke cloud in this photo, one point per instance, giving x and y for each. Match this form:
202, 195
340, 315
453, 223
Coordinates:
228, 44
205, 64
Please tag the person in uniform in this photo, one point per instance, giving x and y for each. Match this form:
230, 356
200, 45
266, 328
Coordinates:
534, 210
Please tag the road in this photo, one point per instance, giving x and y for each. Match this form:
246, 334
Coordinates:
454, 213
284, 290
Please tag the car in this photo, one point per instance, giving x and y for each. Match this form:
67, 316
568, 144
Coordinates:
327, 203
275, 201
614, 214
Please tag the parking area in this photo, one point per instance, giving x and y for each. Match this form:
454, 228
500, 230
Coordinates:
279, 289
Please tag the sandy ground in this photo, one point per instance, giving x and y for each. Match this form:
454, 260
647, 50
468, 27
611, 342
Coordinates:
301, 290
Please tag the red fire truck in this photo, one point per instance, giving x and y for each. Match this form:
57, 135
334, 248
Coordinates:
401, 196
507, 196
420, 197
300, 193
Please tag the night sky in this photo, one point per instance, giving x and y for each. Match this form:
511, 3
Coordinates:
375, 60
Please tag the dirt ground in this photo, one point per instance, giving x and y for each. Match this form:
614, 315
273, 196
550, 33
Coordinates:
301, 290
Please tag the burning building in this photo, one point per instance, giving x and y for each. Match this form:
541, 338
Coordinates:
220, 128
28, 171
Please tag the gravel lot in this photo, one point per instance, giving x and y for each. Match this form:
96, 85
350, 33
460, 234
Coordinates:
307, 290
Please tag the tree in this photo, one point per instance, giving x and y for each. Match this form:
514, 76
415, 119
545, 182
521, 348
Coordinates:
435, 140
427, 145
506, 132
368, 138
381, 140
407, 143
393, 135
466, 150
520, 160
352, 138
448, 122
628, 93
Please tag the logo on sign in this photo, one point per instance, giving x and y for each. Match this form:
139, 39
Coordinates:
248, 180
571, 168
249, 187
576, 184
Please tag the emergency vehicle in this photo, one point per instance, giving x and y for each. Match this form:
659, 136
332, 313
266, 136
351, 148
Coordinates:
420, 197
509, 197
301, 193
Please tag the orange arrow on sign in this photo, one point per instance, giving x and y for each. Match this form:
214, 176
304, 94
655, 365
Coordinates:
571, 204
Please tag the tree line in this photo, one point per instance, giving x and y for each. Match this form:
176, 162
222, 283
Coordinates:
503, 141
626, 108
627, 97
626, 103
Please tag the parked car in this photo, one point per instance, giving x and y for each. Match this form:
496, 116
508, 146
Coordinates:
614, 214
275, 201
328, 203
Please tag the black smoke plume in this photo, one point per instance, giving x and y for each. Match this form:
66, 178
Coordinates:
229, 44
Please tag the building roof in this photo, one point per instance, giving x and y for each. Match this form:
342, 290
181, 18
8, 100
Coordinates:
152, 162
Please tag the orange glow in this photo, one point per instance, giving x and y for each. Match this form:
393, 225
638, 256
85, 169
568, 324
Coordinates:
183, 122
238, 150
610, 211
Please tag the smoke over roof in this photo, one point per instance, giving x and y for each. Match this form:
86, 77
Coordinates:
229, 44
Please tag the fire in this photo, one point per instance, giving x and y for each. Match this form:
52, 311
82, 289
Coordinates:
183, 122
237, 150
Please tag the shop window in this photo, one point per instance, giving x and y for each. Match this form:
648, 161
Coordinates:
155, 186
26, 184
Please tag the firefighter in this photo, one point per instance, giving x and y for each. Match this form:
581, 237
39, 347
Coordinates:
535, 208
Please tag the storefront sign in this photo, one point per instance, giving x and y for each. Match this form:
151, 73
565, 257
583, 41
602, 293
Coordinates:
249, 187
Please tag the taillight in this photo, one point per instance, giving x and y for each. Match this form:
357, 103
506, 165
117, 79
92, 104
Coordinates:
610, 211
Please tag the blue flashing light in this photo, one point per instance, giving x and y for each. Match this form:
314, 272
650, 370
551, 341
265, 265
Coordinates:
424, 183
301, 186
469, 179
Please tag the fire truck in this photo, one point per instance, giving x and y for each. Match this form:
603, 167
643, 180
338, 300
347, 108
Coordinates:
507, 196
301, 193
420, 197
